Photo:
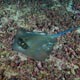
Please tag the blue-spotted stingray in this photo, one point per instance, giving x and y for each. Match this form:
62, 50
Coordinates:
36, 45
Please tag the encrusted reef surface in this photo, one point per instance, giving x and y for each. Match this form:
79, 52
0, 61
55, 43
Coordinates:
49, 16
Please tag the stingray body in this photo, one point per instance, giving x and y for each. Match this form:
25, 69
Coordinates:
36, 45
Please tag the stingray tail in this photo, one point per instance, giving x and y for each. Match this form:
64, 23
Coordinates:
64, 32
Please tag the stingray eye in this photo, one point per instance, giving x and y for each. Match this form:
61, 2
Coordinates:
22, 43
